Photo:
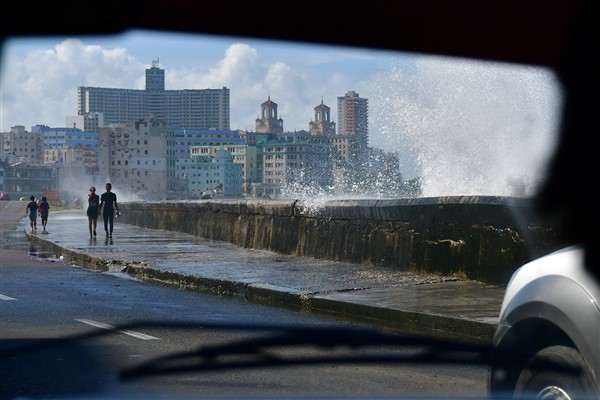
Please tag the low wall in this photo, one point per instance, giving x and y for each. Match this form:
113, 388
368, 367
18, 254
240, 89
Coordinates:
478, 238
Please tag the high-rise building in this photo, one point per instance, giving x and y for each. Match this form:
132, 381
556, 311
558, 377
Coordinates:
186, 108
353, 115
353, 125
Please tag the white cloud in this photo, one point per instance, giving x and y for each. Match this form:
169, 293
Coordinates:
41, 87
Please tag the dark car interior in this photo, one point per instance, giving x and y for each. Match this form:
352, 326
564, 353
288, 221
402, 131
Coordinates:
558, 34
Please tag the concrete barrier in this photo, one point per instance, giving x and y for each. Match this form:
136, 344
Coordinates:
478, 237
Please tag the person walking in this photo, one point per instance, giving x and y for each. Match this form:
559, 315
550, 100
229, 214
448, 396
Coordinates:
108, 206
44, 210
92, 211
32, 211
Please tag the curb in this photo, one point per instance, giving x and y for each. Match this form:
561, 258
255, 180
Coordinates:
406, 322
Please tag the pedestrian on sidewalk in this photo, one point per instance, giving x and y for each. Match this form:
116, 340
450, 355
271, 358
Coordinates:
32, 211
92, 211
44, 210
108, 206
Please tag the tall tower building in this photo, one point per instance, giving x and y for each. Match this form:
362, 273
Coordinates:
322, 124
155, 78
352, 139
353, 116
268, 121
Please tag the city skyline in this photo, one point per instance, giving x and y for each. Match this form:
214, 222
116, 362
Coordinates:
297, 78
418, 104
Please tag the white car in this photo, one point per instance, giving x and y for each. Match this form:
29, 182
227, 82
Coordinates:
547, 344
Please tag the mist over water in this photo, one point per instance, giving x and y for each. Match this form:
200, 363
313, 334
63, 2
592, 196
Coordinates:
467, 127
463, 127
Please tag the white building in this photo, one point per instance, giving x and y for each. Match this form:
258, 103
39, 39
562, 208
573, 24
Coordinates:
89, 122
186, 108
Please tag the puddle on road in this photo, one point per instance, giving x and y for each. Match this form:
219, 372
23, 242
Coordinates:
38, 251
17, 239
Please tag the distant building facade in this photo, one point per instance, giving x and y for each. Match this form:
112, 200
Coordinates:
293, 161
153, 159
242, 154
187, 108
24, 179
187, 138
268, 122
69, 145
322, 124
212, 173
88, 122
139, 159
24, 145
353, 126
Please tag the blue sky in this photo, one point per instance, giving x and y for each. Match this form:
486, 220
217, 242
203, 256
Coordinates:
490, 126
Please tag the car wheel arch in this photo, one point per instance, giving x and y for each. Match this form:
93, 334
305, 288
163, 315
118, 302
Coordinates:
530, 336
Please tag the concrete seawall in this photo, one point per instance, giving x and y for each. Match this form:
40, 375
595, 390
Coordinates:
478, 238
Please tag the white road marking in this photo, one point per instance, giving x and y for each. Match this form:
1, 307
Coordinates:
112, 328
3, 297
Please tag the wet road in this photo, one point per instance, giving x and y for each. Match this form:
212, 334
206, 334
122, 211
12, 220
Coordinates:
428, 305
60, 298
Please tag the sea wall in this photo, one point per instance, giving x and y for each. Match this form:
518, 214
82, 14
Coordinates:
478, 238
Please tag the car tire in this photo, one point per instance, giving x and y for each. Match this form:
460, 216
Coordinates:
556, 372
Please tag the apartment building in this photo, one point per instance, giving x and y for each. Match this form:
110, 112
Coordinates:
69, 145
295, 162
20, 144
187, 138
353, 127
152, 159
139, 159
210, 172
240, 153
187, 108
89, 122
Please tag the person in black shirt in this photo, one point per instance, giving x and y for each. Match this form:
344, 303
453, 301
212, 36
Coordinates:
44, 210
92, 211
32, 211
108, 206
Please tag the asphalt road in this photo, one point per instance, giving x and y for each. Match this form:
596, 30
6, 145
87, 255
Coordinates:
92, 327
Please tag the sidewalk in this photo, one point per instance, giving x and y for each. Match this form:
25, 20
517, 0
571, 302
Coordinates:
430, 305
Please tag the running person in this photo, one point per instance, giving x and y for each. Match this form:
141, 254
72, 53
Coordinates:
44, 210
32, 211
92, 211
108, 205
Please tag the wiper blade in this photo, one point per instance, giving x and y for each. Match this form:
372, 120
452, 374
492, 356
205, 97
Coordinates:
345, 345
267, 346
